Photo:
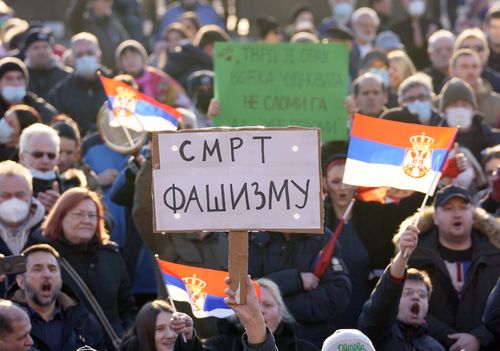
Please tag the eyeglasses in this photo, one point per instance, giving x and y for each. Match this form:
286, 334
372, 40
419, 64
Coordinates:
40, 154
80, 216
420, 293
420, 97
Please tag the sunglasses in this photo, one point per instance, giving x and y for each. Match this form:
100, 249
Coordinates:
40, 154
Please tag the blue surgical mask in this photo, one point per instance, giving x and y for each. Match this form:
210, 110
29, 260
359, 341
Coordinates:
5, 131
12, 94
86, 65
420, 108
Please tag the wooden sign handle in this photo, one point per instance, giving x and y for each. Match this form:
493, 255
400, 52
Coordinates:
238, 264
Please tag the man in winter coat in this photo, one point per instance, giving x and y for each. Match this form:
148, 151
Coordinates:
59, 322
394, 316
20, 212
81, 94
458, 247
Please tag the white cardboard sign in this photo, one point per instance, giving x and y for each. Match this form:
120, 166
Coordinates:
237, 179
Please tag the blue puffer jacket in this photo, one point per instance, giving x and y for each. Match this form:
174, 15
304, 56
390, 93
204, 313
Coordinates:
272, 256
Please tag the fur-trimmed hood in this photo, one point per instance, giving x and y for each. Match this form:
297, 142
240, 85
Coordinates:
484, 223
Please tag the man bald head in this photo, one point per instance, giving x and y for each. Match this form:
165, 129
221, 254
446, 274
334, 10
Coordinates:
15, 328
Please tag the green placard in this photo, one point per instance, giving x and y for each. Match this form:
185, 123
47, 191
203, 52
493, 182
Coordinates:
276, 85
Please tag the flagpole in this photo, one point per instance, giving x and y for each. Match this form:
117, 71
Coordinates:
170, 299
421, 209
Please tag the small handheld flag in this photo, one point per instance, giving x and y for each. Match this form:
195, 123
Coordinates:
202, 288
400, 155
136, 111
324, 258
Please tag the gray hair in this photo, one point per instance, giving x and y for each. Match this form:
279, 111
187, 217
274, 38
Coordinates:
11, 168
9, 313
286, 316
440, 34
84, 36
38, 129
365, 11
417, 80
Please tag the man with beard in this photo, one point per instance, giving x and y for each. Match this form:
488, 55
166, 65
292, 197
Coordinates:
458, 246
393, 326
59, 322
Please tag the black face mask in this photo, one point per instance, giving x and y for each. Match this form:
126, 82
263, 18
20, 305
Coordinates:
203, 100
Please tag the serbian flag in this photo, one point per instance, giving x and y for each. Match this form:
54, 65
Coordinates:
395, 154
134, 110
200, 287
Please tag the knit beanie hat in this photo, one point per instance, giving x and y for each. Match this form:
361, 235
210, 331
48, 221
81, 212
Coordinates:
37, 34
8, 64
130, 45
347, 339
454, 90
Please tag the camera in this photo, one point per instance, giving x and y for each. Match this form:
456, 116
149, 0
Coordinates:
12, 264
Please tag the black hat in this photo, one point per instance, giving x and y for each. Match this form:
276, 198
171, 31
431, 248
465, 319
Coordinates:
449, 192
8, 64
199, 78
37, 34
339, 32
266, 24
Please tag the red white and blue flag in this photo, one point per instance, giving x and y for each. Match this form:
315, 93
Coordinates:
395, 154
136, 111
202, 288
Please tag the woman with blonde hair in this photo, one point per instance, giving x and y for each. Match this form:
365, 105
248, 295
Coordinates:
400, 67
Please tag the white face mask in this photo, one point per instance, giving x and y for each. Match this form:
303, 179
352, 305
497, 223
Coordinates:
459, 116
5, 131
86, 65
416, 8
420, 108
14, 210
13, 94
48, 175
342, 12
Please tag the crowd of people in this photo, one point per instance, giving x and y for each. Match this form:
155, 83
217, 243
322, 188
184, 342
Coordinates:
81, 213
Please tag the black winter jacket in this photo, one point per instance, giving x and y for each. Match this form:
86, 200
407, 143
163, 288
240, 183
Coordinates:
79, 98
272, 256
379, 321
230, 332
43, 80
102, 268
449, 314
80, 328
46, 110
184, 60
491, 316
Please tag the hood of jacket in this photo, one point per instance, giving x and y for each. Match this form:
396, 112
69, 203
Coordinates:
483, 222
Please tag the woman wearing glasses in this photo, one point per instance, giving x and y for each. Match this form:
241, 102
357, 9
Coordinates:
75, 227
